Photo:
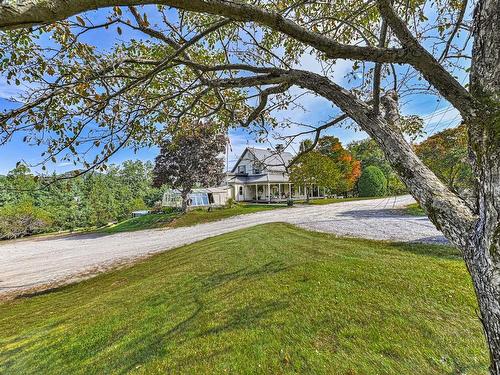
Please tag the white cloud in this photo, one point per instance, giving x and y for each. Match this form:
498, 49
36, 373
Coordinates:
9, 92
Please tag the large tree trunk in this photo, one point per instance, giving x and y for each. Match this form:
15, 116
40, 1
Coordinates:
483, 255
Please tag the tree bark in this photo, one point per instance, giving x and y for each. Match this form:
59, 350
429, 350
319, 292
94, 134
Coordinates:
483, 254
185, 198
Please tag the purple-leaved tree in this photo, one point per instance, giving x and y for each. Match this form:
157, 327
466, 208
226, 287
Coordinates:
192, 157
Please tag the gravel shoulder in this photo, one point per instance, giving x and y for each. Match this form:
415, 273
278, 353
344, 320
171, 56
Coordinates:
40, 264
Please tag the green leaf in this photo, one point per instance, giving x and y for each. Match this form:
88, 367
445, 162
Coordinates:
80, 20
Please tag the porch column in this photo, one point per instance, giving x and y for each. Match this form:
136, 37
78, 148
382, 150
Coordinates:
269, 192
256, 192
279, 191
290, 190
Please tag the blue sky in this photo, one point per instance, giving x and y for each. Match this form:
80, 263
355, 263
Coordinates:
437, 116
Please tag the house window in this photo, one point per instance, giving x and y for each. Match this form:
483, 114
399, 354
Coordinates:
256, 170
241, 190
242, 169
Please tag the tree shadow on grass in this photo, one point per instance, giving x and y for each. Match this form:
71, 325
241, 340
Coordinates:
217, 279
376, 213
437, 251
155, 343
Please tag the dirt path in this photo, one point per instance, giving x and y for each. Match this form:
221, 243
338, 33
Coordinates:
42, 263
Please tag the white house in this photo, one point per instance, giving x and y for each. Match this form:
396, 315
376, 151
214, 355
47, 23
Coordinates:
260, 175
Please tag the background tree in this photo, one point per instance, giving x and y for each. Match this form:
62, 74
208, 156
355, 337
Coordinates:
318, 169
192, 157
236, 62
349, 167
445, 153
370, 154
22, 219
71, 203
372, 182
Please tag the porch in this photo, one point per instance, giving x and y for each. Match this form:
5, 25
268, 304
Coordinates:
276, 192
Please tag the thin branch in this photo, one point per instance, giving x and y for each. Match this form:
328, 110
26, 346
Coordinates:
378, 69
458, 24
426, 64
318, 131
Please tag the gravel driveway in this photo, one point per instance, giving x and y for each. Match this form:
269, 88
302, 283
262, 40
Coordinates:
37, 264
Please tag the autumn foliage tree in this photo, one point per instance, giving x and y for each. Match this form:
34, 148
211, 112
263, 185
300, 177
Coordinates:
445, 153
191, 157
349, 167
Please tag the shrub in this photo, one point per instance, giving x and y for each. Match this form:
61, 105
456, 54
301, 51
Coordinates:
230, 203
23, 219
372, 182
170, 210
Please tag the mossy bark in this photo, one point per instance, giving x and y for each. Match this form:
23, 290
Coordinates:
483, 253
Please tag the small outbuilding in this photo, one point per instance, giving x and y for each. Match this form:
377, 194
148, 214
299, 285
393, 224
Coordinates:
140, 213
202, 197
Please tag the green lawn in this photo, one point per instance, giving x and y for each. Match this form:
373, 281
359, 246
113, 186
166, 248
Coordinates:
270, 299
139, 223
175, 220
204, 216
414, 209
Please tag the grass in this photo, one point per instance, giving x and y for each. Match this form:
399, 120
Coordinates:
271, 299
204, 216
414, 209
321, 201
139, 223
175, 220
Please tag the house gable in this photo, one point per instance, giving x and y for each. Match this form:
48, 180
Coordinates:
246, 163
255, 161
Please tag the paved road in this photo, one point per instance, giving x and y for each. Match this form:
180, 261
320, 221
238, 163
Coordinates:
36, 264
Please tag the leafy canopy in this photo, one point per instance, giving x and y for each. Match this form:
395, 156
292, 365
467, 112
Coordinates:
191, 158
82, 100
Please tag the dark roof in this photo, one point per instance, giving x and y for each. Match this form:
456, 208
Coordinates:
272, 160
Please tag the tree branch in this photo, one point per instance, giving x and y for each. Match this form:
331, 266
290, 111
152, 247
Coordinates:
426, 64
378, 69
263, 96
318, 131
446, 210
458, 24
25, 14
